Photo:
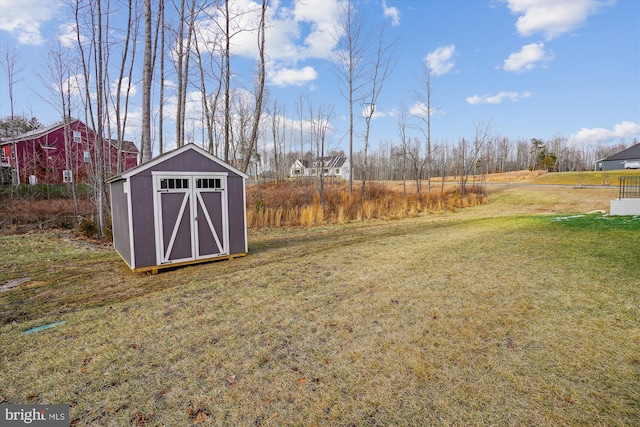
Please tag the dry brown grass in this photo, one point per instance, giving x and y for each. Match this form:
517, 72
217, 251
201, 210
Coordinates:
489, 316
298, 203
25, 214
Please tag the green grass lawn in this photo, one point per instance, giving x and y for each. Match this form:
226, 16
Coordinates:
585, 178
483, 317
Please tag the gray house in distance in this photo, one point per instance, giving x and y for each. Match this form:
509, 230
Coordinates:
183, 207
625, 159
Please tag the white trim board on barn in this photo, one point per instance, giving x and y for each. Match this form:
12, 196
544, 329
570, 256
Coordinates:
184, 207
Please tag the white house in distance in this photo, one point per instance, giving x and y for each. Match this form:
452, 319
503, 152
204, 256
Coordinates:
334, 167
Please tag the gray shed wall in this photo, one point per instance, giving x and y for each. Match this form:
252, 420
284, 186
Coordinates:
237, 217
190, 161
120, 220
611, 165
142, 214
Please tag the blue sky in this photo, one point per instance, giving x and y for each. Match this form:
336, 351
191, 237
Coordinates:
530, 68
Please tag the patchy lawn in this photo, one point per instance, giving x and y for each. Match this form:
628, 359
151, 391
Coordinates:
489, 316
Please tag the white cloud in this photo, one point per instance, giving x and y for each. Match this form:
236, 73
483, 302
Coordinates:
498, 98
244, 24
123, 88
170, 84
439, 61
420, 110
305, 30
292, 76
366, 111
296, 32
552, 17
68, 35
391, 12
377, 113
133, 128
73, 85
527, 58
193, 107
380, 113
623, 130
318, 18
24, 19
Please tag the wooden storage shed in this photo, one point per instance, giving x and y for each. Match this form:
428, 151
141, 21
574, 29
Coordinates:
183, 207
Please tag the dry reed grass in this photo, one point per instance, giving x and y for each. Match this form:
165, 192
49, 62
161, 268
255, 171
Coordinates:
298, 203
456, 319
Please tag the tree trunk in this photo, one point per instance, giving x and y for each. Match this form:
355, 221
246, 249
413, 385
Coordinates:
253, 140
227, 83
147, 76
161, 22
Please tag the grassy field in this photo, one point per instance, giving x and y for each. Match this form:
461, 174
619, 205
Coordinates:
585, 178
515, 312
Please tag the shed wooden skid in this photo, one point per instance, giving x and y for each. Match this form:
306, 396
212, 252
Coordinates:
156, 268
181, 208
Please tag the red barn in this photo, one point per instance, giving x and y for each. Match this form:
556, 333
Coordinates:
61, 153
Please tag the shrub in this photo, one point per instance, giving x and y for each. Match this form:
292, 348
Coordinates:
88, 228
108, 229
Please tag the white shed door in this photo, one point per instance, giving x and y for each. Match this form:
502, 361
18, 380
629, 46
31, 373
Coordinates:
191, 219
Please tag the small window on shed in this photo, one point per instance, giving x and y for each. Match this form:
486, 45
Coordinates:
174, 183
213, 183
77, 137
87, 157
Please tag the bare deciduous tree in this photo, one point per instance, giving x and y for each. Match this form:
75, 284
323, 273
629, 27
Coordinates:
61, 73
147, 77
260, 78
209, 101
122, 97
184, 38
470, 153
381, 68
11, 65
319, 127
89, 16
94, 40
161, 29
352, 40
276, 113
423, 102
411, 151
10, 62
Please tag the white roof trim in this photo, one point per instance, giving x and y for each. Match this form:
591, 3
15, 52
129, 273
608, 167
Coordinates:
170, 154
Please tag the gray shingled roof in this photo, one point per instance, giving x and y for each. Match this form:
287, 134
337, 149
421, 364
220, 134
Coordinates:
334, 162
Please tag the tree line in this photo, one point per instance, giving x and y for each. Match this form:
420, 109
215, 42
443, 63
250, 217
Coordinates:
113, 47
409, 159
